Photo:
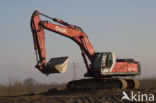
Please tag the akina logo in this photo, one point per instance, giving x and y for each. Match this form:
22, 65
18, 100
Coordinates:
138, 97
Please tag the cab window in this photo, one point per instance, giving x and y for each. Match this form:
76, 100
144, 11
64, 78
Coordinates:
109, 61
97, 60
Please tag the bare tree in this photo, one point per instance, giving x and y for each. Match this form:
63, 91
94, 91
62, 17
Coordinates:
30, 82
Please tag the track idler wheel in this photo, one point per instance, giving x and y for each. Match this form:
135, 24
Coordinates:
123, 84
132, 83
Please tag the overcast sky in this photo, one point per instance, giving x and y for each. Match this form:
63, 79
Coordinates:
126, 27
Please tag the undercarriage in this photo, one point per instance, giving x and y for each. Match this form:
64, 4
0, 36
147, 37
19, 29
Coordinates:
103, 83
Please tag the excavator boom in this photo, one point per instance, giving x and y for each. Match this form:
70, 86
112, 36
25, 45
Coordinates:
71, 31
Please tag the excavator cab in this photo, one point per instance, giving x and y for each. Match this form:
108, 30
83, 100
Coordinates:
103, 62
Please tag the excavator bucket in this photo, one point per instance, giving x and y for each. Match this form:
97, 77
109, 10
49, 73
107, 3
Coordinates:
57, 65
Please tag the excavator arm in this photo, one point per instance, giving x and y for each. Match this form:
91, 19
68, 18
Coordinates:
73, 32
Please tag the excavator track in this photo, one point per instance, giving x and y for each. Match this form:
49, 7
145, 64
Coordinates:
97, 83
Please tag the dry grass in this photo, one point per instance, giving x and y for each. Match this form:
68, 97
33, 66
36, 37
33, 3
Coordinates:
31, 86
26, 87
11, 93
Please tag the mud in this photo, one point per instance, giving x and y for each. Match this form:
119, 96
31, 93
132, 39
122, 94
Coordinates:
66, 96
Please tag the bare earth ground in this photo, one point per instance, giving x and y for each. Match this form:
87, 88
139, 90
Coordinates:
26, 93
66, 96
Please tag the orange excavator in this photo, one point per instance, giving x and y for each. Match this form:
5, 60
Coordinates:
104, 71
